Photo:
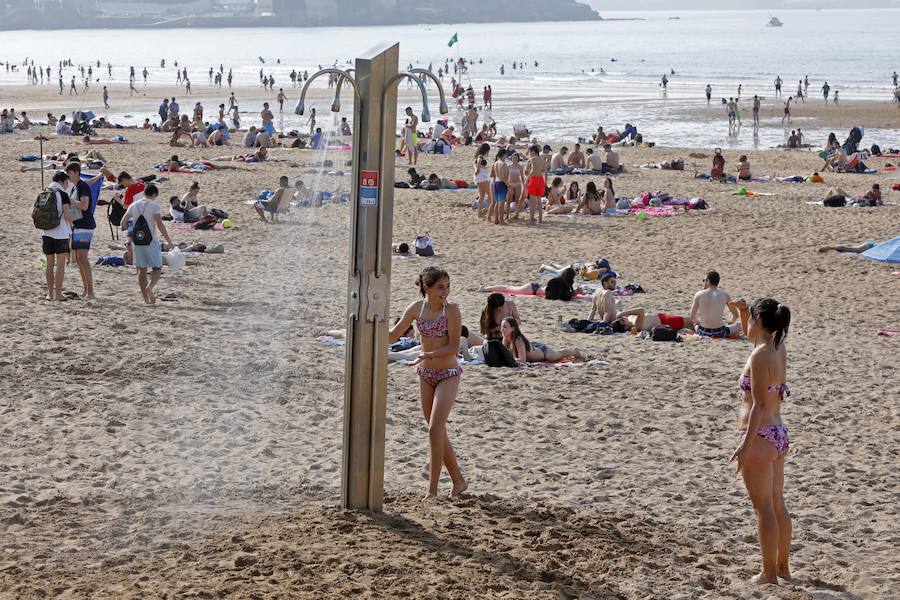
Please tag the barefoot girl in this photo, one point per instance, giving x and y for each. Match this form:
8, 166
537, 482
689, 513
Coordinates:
516, 183
525, 351
439, 327
764, 439
482, 178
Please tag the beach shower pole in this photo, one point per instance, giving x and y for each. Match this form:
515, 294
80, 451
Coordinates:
368, 290
372, 215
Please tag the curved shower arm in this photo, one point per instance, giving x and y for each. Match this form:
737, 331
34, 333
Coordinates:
443, 109
301, 106
426, 113
336, 103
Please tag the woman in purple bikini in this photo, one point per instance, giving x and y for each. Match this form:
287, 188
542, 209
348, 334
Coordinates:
764, 438
439, 325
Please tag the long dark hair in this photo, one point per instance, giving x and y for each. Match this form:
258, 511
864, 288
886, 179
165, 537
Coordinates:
429, 277
568, 275
482, 151
517, 333
772, 315
489, 323
591, 192
569, 192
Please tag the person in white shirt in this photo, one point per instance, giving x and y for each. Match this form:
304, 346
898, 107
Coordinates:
62, 127
55, 241
149, 255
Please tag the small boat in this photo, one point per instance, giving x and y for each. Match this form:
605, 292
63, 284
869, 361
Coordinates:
774, 22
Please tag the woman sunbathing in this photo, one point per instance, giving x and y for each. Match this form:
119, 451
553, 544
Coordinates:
259, 155
558, 288
525, 352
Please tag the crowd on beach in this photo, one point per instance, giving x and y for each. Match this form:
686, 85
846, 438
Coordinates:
523, 175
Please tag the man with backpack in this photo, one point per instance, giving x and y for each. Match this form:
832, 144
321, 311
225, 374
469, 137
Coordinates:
52, 216
146, 218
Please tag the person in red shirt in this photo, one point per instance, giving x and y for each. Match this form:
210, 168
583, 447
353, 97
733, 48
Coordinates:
133, 190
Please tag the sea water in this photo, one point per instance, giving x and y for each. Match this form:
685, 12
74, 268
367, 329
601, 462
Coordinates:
565, 96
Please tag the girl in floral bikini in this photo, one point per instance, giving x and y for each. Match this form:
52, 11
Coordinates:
764, 439
439, 325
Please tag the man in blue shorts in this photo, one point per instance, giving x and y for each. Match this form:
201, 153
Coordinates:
83, 225
147, 255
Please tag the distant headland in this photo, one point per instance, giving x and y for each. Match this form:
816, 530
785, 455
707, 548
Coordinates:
106, 14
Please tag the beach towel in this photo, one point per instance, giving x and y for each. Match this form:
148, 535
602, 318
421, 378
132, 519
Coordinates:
330, 341
887, 332
888, 251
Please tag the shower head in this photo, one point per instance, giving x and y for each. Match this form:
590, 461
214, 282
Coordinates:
443, 108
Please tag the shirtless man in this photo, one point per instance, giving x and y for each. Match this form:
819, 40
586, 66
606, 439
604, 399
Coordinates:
707, 309
593, 161
267, 118
409, 136
536, 185
499, 189
604, 302
576, 159
756, 111
281, 98
645, 321
558, 160
787, 111
611, 162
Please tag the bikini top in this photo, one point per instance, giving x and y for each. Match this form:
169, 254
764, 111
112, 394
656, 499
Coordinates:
744, 386
435, 328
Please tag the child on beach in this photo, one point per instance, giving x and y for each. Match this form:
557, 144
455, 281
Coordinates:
439, 325
55, 240
764, 441
482, 179
744, 168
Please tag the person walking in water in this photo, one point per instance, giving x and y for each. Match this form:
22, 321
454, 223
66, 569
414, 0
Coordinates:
764, 443
825, 90
708, 93
105, 98
778, 87
787, 111
439, 324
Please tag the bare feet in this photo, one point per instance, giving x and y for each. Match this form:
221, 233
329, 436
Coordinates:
430, 497
151, 297
459, 487
763, 579
784, 573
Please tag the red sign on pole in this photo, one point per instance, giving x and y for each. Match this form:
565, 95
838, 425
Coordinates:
368, 179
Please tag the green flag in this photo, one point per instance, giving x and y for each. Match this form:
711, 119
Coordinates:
453, 40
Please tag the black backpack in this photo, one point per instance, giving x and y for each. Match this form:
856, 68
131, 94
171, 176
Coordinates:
835, 201
44, 213
663, 333
141, 234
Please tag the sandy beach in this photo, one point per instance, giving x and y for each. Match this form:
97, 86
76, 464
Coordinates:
193, 449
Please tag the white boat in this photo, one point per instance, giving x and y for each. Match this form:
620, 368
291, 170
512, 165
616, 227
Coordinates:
774, 22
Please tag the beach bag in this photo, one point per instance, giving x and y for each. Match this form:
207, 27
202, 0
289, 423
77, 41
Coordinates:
835, 201
116, 212
423, 245
141, 234
207, 222
698, 204
44, 212
401, 185
663, 333
218, 213
175, 259
497, 355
